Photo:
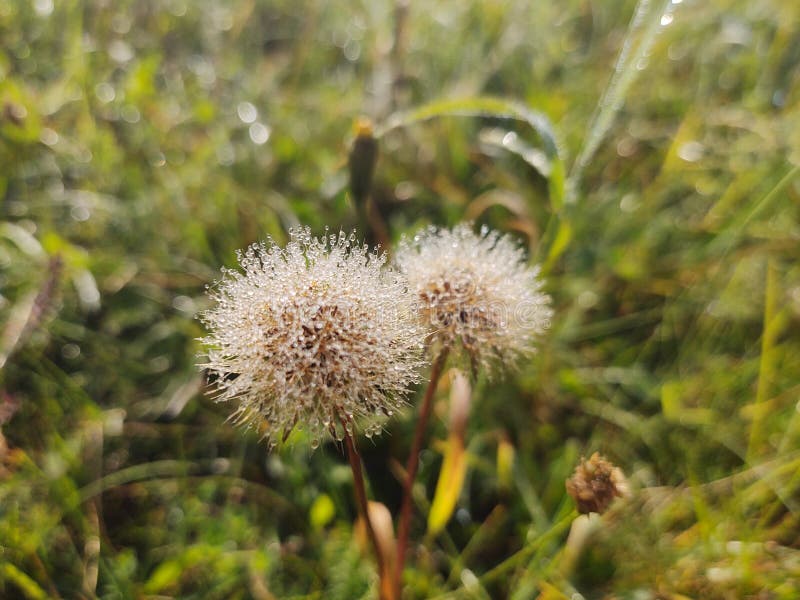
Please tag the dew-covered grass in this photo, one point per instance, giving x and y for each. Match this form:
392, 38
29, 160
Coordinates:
646, 154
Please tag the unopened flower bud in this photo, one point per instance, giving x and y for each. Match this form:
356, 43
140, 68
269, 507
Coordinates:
361, 162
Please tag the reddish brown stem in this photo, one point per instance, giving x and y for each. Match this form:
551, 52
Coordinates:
404, 524
361, 502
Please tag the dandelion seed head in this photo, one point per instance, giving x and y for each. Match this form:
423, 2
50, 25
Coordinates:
476, 290
595, 484
315, 335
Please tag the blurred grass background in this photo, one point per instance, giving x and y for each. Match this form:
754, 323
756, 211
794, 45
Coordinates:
647, 153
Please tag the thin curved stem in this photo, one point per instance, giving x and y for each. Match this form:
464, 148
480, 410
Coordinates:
404, 524
363, 510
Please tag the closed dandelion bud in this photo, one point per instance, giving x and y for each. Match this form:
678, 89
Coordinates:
595, 484
476, 290
315, 335
361, 162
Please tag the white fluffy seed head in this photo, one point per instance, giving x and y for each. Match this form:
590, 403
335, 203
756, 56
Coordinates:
476, 290
316, 334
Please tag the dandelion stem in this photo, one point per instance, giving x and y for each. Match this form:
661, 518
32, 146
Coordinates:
404, 524
363, 510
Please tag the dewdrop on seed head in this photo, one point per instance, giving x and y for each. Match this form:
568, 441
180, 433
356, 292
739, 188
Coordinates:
313, 335
476, 290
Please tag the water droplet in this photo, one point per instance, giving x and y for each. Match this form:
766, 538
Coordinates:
259, 133
247, 112
130, 114
352, 50
691, 151
666, 19
105, 92
80, 213
314, 444
120, 51
48, 137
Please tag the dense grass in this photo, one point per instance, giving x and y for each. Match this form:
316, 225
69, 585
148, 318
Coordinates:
653, 172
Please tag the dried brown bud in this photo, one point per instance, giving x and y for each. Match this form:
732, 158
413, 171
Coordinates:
595, 484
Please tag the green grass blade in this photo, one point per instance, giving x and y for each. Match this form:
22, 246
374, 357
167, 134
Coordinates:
643, 31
